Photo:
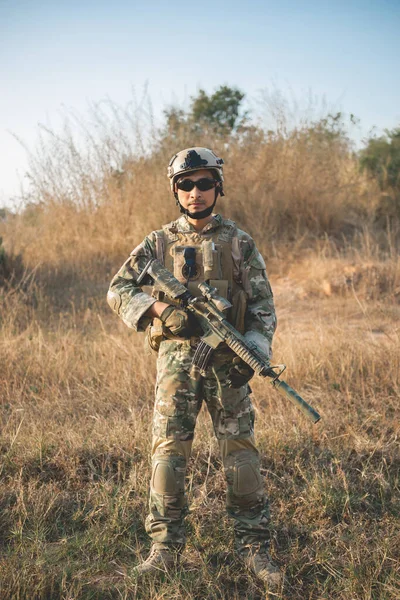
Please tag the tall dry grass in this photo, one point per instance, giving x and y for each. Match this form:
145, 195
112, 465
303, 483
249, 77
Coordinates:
98, 186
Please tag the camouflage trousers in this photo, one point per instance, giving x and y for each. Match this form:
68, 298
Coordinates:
179, 397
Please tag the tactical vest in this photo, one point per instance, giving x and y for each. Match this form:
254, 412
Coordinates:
218, 262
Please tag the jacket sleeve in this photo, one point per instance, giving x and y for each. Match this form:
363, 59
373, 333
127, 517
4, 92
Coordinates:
260, 317
125, 297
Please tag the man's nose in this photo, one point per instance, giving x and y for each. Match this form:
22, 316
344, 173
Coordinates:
195, 193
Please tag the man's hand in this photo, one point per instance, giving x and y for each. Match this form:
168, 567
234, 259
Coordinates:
177, 321
240, 373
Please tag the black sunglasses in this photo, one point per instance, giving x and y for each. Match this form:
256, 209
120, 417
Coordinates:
203, 184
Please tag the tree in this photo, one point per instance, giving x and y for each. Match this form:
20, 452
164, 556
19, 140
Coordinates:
220, 110
381, 158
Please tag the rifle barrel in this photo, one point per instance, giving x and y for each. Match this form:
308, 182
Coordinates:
296, 399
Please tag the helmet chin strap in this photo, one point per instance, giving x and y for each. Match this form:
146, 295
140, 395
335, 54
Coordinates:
199, 214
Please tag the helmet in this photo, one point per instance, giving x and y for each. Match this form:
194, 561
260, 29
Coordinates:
194, 159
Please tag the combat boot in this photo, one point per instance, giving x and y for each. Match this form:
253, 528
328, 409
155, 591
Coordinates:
261, 564
160, 560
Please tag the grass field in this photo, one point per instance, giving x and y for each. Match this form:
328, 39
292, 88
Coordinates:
77, 392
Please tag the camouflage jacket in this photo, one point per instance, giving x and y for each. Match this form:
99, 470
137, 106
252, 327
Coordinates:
130, 302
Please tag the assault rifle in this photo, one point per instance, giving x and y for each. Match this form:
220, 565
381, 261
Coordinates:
209, 311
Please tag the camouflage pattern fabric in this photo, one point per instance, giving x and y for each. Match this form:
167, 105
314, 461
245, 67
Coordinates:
178, 400
130, 303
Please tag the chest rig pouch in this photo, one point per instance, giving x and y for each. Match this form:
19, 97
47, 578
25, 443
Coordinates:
193, 259
197, 263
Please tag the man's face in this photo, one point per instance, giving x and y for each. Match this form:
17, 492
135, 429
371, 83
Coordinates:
195, 200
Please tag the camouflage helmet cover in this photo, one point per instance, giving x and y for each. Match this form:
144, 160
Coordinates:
194, 159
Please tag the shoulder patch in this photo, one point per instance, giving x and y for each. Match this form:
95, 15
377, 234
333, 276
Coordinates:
228, 230
170, 231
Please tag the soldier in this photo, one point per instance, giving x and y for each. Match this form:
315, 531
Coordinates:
201, 246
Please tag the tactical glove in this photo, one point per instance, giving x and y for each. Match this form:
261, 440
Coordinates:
240, 373
177, 321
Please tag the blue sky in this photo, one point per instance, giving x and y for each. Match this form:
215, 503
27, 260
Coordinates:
55, 54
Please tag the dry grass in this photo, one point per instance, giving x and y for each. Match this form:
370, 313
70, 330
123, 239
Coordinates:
77, 390
76, 386
96, 189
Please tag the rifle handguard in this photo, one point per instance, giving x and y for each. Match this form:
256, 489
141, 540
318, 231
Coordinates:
254, 362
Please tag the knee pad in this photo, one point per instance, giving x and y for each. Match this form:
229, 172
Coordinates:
247, 478
245, 484
168, 475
